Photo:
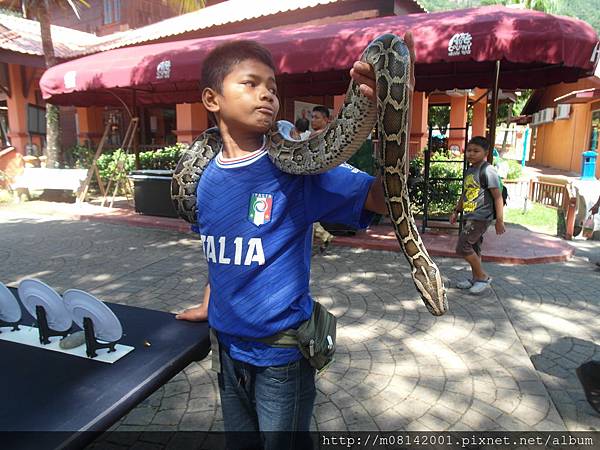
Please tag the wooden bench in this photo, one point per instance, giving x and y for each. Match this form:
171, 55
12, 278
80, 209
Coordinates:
37, 179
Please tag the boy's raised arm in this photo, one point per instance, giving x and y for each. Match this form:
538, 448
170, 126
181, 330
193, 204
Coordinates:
363, 74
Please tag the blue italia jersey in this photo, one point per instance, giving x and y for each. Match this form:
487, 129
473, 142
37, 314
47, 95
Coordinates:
255, 225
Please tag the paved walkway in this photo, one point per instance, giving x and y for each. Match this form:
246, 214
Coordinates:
517, 245
501, 361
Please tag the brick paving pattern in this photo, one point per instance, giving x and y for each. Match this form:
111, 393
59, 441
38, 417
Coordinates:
504, 360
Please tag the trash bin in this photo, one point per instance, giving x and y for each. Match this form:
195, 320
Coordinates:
152, 192
588, 165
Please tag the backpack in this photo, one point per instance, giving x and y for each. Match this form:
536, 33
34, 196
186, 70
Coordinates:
483, 183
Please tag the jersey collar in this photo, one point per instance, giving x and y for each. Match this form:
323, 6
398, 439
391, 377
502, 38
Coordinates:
246, 160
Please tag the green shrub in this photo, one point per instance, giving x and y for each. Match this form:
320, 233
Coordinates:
165, 158
515, 169
416, 184
79, 157
443, 194
108, 164
363, 158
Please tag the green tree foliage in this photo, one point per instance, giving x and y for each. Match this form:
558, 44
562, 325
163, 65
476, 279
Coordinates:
439, 117
587, 10
549, 6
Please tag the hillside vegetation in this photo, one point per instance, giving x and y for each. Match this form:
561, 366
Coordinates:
588, 10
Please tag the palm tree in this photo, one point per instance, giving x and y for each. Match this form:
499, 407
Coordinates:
186, 6
40, 10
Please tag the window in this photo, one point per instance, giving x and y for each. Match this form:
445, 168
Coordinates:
117, 10
108, 12
36, 119
112, 11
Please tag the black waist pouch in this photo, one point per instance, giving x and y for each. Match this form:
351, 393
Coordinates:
316, 337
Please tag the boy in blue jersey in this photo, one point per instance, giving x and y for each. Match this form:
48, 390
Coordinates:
255, 227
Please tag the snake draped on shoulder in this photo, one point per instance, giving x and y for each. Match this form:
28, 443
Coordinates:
390, 58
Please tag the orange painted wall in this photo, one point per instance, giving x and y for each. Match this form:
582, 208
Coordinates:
91, 125
458, 119
17, 107
192, 120
479, 125
559, 144
419, 130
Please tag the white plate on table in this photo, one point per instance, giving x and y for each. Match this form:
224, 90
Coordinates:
36, 293
10, 310
107, 326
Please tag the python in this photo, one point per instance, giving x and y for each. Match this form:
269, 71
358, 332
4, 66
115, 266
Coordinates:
216, 250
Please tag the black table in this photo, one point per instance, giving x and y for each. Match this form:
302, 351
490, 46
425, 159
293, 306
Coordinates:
66, 401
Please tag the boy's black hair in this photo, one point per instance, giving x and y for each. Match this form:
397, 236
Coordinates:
302, 124
221, 60
322, 109
481, 142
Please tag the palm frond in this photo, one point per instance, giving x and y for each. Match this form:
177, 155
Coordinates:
185, 6
29, 8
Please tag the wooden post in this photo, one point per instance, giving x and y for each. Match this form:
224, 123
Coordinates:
94, 168
492, 134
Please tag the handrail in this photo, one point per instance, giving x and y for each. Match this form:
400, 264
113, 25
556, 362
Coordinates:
549, 194
6, 151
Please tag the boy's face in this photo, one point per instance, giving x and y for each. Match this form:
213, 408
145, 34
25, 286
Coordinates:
318, 120
248, 101
475, 154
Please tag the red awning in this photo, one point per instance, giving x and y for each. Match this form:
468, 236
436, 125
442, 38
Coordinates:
454, 49
582, 96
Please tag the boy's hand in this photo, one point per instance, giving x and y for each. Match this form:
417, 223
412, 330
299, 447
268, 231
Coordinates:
194, 314
363, 73
500, 229
594, 209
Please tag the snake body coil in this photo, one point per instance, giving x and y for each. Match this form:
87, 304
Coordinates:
390, 59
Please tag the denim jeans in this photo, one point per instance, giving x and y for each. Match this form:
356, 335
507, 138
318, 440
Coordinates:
266, 407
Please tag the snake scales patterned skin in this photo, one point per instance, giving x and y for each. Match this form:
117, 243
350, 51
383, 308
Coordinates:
390, 59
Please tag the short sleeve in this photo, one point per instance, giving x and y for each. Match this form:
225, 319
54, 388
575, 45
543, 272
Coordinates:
338, 196
492, 177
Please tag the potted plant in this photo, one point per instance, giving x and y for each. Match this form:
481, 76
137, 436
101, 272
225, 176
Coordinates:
151, 183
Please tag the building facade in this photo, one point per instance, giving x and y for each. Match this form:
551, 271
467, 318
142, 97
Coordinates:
565, 123
162, 125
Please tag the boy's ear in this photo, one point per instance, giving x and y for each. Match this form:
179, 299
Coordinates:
210, 100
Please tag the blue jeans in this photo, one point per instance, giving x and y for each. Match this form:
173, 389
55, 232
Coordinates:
266, 407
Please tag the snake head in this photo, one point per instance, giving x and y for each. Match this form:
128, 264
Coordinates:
432, 290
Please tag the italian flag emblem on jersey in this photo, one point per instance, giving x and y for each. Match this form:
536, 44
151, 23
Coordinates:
260, 208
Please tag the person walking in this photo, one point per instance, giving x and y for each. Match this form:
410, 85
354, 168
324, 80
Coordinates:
481, 203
